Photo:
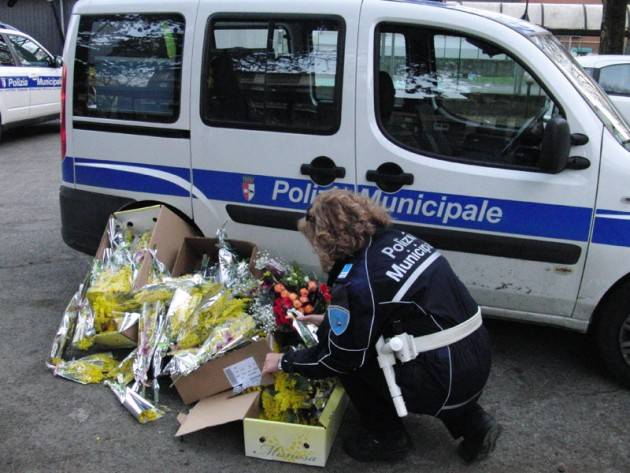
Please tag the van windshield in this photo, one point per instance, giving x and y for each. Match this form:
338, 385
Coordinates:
588, 88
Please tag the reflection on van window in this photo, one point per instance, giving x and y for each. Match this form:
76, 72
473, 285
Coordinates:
447, 95
129, 67
6, 59
273, 74
29, 53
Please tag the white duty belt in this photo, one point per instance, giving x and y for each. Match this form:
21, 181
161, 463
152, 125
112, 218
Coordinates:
405, 347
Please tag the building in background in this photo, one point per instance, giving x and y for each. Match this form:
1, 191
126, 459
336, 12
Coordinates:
576, 23
44, 20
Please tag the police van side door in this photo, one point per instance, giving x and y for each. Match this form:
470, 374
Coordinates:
275, 122
128, 70
15, 95
452, 110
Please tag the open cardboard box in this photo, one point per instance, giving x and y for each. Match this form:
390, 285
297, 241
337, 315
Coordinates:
210, 378
295, 443
190, 254
217, 405
270, 440
167, 234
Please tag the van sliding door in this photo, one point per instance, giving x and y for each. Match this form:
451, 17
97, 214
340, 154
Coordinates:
129, 89
275, 124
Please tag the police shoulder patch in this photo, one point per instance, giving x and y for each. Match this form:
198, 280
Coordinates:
339, 319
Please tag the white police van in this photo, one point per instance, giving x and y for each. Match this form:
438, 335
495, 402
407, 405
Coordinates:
30, 80
477, 131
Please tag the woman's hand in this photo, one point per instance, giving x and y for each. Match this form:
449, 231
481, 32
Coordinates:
315, 319
271, 363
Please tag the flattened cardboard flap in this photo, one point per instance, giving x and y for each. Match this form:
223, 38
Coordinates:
327, 415
217, 410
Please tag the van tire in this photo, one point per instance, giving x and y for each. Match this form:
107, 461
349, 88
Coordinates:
612, 329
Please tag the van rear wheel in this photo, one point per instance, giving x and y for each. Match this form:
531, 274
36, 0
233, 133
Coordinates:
612, 333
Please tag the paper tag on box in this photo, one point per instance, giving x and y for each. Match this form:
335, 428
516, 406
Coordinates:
244, 374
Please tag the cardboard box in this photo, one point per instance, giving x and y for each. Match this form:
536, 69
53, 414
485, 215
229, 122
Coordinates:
190, 254
210, 385
295, 443
168, 231
210, 378
269, 440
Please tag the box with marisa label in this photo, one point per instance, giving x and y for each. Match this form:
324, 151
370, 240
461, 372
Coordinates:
270, 440
295, 443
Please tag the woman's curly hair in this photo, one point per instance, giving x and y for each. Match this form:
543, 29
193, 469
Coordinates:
340, 223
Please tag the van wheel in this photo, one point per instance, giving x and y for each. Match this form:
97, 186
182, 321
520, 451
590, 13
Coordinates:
612, 333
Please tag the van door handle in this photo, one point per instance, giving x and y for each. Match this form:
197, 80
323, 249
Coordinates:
322, 170
403, 179
334, 172
389, 177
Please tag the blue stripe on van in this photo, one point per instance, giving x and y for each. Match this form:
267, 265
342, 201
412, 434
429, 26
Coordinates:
612, 231
131, 181
67, 170
469, 212
523, 218
517, 217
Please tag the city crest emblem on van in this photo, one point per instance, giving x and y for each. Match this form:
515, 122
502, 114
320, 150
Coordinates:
248, 188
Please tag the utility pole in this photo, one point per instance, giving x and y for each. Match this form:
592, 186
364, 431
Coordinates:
614, 16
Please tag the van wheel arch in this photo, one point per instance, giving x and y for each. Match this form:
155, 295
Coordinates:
610, 329
149, 203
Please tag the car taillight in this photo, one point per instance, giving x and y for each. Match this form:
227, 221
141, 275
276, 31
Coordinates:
63, 113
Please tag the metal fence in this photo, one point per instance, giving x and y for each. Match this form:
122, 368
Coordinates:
42, 19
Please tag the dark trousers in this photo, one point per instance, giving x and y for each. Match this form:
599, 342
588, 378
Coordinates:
370, 396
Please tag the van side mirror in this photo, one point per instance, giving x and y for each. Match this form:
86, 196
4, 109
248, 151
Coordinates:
556, 145
58, 62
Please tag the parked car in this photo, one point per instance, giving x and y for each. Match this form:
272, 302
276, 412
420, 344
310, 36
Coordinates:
612, 72
30, 80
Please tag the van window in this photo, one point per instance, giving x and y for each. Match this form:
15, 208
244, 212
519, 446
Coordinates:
129, 67
6, 59
455, 97
273, 74
615, 80
30, 53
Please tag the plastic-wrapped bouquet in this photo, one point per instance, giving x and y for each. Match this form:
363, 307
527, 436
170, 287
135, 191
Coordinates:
295, 399
292, 288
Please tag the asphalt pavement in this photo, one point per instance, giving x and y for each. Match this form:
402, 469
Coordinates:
560, 410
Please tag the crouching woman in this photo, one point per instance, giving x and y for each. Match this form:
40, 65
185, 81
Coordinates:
384, 279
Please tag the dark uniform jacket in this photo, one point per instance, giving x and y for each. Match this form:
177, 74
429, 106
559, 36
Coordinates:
399, 277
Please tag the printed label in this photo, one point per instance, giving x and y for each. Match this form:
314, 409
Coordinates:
243, 374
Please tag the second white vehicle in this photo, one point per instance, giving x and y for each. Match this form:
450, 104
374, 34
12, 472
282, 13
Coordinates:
612, 72
30, 80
